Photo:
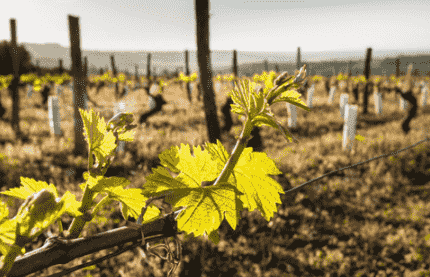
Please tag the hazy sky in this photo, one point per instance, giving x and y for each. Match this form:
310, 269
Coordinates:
281, 26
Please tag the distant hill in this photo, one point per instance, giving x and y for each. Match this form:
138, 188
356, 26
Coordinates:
321, 63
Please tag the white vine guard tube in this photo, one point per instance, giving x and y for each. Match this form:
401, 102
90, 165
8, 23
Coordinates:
378, 102
403, 104
54, 115
343, 101
349, 127
292, 115
310, 94
331, 96
424, 92
29, 90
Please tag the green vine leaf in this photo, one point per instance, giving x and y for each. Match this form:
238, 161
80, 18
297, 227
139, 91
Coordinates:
269, 120
101, 142
293, 97
272, 94
169, 158
248, 187
29, 186
205, 206
214, 237
131, 200
7, 231
264, 119
250, 176
127, 136
41, 209
268, 81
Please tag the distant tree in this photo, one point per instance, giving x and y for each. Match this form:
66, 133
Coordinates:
6, 68
416, 73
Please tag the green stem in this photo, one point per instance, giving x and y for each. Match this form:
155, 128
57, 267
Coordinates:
99, 205
60, 225
237, 151
78, 223
9, 259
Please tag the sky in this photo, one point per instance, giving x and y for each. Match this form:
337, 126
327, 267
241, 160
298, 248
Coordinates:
270, 26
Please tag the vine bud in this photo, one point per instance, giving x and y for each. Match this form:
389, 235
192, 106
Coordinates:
280, 79
301, 75
120, 120
35, 208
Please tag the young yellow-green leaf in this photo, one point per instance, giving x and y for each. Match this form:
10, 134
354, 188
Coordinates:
132, 202
219, 154
101, 142
94, 127
269, 120
201, 167
127, 136
287, 84
268, 82
7, 228
205, 206
8, 236
239, 104
241, 91
264, 119
71, 204
161, 183
258, 103
250, 177
92, 180
261, 192
237, 109
122, 121
214, 237
293, 97
4, 211
39, 211
170, 158
98, 183
30, 186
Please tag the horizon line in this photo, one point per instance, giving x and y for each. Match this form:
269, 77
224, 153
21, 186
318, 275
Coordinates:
249, 51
